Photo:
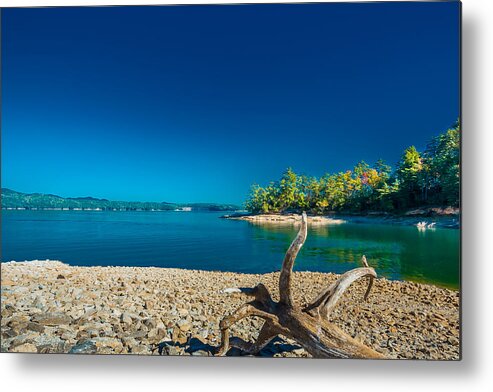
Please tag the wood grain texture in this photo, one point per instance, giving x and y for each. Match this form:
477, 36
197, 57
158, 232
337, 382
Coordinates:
309, 326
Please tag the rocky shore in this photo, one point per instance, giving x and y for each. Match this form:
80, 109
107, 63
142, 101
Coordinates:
438, 218
51, 307
285, 219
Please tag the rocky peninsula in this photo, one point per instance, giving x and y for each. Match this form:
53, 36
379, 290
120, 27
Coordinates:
289, 219
438, 217
51, 307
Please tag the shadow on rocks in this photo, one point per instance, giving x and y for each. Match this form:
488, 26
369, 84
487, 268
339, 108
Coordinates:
196, 347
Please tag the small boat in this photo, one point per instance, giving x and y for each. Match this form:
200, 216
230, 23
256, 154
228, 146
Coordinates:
421, 225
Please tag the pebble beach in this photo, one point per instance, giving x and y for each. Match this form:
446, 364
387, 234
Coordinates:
51, 307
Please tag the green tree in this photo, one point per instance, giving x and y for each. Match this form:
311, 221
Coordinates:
257, 200
431, 177
408, 173
288, 190
442, 159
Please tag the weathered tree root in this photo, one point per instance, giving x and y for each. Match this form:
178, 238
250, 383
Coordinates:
309, 326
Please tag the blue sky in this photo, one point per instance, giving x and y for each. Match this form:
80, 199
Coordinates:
196, 103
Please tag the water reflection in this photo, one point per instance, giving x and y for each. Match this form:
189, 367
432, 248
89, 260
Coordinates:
396, 252
203, 241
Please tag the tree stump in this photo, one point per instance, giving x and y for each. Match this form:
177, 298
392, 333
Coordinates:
309, 326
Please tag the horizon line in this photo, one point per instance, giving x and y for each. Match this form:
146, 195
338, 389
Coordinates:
113, 200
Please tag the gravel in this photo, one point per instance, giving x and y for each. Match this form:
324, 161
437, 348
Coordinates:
51, 307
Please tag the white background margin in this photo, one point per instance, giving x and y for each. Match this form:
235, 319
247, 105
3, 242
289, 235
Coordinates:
23, 372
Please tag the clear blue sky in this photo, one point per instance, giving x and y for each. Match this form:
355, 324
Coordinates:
196, 103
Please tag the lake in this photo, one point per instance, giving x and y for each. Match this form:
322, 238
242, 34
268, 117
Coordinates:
201, 240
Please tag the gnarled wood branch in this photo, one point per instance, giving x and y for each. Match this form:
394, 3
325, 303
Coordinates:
287, 264
309, 326
328, 298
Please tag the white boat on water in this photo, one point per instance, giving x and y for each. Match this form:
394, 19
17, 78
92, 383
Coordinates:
425, 225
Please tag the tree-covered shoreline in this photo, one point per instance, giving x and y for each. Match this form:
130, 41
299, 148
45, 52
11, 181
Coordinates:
420, 179
40, 201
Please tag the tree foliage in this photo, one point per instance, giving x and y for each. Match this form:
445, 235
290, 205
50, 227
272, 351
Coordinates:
427, 178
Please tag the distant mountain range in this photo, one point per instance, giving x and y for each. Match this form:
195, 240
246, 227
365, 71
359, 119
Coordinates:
40, 201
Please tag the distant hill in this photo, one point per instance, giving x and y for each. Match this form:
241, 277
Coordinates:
31, 201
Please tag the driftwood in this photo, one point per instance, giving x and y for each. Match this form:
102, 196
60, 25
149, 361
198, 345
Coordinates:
308, 326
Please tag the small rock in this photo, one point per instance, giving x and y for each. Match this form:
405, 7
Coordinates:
52, 319
156, 335
140, 349
126, 319
25, 348
35, 327
138, 334
112, 344
87, 347
184, 325
171, 350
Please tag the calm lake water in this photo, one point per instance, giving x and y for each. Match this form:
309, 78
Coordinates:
200, 240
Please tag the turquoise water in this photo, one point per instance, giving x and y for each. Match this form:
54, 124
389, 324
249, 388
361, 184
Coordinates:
200, 240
